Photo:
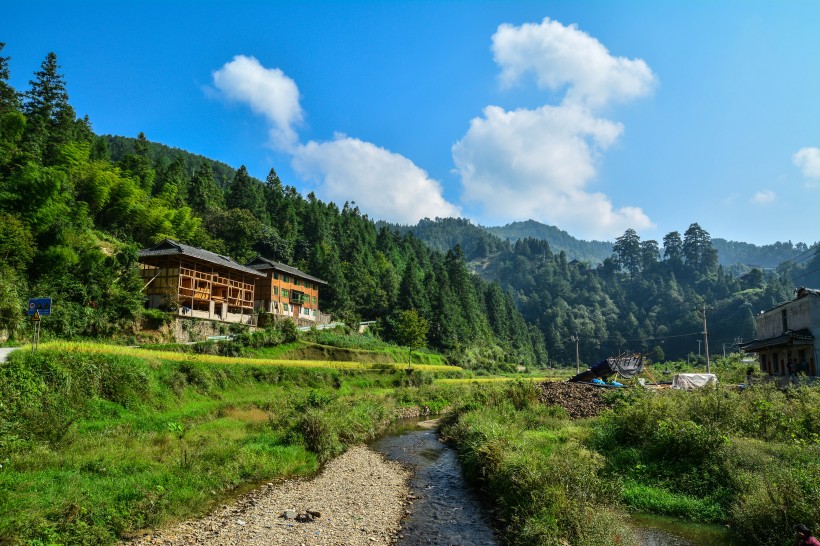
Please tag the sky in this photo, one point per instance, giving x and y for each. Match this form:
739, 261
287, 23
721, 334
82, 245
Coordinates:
594, 117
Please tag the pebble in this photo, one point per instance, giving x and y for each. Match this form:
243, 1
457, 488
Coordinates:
344, 505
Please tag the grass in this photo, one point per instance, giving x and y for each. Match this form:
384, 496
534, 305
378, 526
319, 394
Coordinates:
532, 462
96, 444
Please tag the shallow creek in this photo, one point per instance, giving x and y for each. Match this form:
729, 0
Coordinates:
446, 511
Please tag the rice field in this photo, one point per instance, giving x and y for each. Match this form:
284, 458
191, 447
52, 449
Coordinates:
462, 381
100, 348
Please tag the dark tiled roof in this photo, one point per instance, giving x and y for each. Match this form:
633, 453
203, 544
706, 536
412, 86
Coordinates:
798, 337
173, 248
263, 264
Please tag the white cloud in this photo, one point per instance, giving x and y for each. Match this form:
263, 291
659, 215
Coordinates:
268, 91
385, 185
764, 197
561, 55
536, 164
808, 161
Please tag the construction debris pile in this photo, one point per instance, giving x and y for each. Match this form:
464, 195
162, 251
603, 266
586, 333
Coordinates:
578, 399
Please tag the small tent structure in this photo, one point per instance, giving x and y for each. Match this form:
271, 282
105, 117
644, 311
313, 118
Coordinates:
627, 366
692, 381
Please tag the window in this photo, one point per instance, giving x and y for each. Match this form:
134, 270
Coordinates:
275, 290
285, 307
275, 276
315, 299
285, 293
297, 282
314, 312
286, 278
306, 311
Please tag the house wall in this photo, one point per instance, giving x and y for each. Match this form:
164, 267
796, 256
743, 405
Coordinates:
201, 289
272, 296
801, 313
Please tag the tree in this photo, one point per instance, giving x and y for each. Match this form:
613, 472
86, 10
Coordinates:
203, 192
698, 250
50, 118
9, 99
138, 165
246, 193
410, 329
627, 248
673, 247
650, 254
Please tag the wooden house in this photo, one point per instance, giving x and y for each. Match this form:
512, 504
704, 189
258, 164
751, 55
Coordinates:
787, 337
198, 283
286, 291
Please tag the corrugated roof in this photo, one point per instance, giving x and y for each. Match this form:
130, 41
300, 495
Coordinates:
262, 263
792, 337
173, 248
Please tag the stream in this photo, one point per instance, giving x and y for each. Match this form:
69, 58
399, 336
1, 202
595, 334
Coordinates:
446, 511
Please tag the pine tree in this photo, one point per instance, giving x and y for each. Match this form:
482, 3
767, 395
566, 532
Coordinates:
203, 192
246, 193
9, 99
50, 119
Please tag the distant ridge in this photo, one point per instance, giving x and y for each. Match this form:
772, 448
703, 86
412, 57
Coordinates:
576, 249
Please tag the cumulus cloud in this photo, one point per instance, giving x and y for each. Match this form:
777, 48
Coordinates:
384, 184
808, 161
763, 197
268, 91
559, 56
537, 163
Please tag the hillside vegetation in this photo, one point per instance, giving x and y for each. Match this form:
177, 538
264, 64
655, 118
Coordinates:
76, 207
643, 296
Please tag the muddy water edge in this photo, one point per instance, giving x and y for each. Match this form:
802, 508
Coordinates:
446, 510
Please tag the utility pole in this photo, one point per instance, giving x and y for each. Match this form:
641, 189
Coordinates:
706, 340
576, 339
699, 342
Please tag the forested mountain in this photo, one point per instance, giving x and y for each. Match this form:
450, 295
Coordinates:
763, 257
593, 252
75, 208
645, 295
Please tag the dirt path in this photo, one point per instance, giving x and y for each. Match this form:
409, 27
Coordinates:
5, 352
360, 499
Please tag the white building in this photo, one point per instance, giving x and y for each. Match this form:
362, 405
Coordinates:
787, 336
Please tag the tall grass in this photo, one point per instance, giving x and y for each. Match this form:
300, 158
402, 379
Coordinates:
532, 462
749, 459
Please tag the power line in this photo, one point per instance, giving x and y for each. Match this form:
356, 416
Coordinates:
803, 274
811, 253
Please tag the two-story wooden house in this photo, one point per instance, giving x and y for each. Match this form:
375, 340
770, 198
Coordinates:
285, 290
787, 336
198, 283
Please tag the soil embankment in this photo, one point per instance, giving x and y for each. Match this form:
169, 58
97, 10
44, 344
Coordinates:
577, 399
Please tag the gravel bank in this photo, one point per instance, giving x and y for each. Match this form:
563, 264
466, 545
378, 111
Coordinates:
359, 497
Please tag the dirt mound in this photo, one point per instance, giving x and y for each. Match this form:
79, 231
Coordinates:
579, 400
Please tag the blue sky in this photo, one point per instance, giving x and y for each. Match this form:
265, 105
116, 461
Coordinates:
592, 116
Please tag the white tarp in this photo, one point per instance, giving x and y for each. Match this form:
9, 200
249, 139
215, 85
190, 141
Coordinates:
689, 381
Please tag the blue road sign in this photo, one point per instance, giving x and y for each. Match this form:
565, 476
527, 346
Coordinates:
41, 306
